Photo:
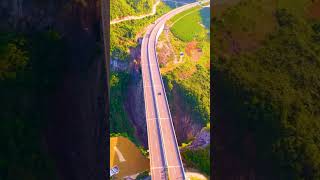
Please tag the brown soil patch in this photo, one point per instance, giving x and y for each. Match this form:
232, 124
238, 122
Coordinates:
164, 53
314, 10
134, 162
193, 51
187, 74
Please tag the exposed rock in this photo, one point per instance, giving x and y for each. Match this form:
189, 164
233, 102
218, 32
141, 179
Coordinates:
135, 107
118, 65
185, 127
135, 99
201, 140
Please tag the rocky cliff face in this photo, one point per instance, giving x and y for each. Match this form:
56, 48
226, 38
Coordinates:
201, 140
67, 16
134, 103
77, 127
135, 107
185, 127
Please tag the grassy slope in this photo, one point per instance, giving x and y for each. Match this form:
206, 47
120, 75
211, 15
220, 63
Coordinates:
272, 91
186, 26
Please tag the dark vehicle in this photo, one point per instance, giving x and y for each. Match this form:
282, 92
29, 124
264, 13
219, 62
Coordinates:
159, 93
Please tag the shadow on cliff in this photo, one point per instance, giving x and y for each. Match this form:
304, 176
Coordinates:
76, 132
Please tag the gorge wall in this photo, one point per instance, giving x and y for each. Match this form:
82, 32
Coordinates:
75, 135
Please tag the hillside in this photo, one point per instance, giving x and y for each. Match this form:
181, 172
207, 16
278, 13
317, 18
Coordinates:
124, 36
187, 81
266, 90
187, 77
127, 110
123, 8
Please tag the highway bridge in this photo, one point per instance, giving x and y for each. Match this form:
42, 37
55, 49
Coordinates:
165, 159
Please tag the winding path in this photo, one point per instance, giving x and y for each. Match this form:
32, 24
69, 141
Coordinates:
128, 18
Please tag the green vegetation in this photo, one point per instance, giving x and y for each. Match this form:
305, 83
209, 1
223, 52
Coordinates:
207, 128
240, 27
195, 89
273, 94
183, 145
190, 79
143, 175
186, 26
184, 13
123, 36
296, 7
123, 8
119, 122
31, 65
199, 158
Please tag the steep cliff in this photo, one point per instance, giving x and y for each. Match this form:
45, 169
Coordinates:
135, 104
74, 135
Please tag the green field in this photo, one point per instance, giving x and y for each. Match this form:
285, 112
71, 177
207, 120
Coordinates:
187, 25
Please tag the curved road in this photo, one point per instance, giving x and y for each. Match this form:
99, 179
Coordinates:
128, 18
165, 160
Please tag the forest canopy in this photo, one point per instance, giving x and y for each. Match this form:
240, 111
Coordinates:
273, 93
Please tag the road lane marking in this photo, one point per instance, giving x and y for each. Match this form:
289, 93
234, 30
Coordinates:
154, 86
146, 64
119, 154
155, 99
150, 119
161, 167
150, 62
